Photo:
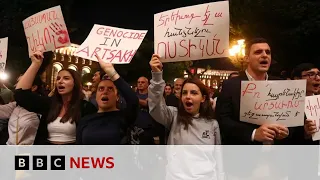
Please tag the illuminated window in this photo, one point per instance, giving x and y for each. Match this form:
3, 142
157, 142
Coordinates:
73, 67
85, 70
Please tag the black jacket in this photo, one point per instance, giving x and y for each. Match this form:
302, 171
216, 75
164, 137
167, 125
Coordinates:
41, 105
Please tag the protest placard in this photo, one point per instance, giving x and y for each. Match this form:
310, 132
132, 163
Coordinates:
279, 102
111, 44
192, 33
3, 53
312, 110
46, 31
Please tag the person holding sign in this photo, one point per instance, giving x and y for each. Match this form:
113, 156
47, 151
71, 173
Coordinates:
110, 125
195, 111
192, 123
236, 132
258, 57
61, 112
303, 135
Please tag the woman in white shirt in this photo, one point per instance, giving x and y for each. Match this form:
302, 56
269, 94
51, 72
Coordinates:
61, 112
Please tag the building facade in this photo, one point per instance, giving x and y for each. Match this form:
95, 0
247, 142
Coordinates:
64, 58
212, 77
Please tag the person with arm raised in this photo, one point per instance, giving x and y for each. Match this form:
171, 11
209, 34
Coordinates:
59, 113
110, 125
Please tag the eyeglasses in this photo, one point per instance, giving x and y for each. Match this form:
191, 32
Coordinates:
312, 75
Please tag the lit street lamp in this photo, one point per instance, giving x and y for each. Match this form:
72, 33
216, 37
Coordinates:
3, 76
237, 53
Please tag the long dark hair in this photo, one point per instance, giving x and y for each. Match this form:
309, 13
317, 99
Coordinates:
164, 92
74, 106
205, 110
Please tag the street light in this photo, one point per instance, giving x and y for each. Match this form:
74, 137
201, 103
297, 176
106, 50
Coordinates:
3, 76
237, 52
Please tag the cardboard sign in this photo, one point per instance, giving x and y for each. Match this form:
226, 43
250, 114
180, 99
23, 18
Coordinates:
273, 102
46, 31
312, 110
3, 53
112, 44
192, 33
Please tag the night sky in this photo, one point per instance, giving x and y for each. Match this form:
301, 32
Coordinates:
130, 15
291, 27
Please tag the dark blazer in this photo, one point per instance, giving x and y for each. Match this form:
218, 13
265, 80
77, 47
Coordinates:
42, 105
241, 160
234, 131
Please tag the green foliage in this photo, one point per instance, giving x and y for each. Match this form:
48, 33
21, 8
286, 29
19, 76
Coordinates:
174, 70
288, 25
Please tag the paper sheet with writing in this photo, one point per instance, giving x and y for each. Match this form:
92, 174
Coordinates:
312, 110
46, 30
3, 53
280, 102
111, 44
192, 33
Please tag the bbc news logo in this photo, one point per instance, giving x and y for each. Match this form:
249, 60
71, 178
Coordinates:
22, 162
40, 163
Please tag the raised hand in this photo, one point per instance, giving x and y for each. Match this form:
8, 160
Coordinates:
107, 67
155, 63
37, 57
60, 31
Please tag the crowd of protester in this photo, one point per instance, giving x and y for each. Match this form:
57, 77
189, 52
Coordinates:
155, 112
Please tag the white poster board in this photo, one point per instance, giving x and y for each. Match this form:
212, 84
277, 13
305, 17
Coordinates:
280, 102
46, 31
312, 110
111, 44
3, 53
192, 33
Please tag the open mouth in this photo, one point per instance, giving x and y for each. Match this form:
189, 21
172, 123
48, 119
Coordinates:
61, 87
189, 104
105, 99
264, 62
316, 85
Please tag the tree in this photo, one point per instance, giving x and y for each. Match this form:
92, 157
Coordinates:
289, 27
239, 63
139, 65
174, 70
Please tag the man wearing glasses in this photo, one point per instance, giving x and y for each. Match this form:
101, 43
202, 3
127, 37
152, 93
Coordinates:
303, 135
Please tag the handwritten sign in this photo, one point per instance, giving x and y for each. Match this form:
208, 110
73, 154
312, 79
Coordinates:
3, 53
46, 30
312, 110
112, 44
192, 33
280, 102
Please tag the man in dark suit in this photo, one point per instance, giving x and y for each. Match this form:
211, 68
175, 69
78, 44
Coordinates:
235, 132
258, 57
